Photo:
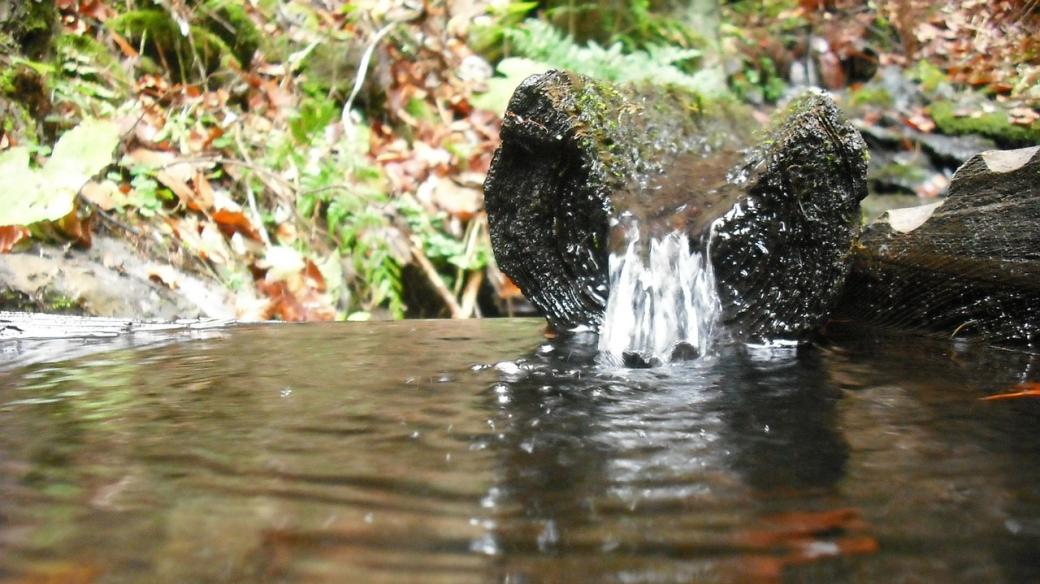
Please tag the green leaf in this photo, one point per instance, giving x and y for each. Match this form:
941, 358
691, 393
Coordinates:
81, 153
29, 195
23, 199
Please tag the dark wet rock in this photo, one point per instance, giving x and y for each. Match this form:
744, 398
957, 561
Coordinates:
942, 151
577, 154
683, 351
967, 266
637, 360
903, 172
953, 150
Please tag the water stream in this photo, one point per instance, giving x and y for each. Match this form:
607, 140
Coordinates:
663, 305
485, 451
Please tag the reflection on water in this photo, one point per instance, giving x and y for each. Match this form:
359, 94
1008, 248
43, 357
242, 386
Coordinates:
484, 452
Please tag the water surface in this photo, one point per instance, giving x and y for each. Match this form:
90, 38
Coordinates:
483, 451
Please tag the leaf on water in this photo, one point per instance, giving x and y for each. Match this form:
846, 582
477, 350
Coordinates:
1023, 390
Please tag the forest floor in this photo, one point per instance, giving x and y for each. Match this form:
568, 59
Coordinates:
324, 160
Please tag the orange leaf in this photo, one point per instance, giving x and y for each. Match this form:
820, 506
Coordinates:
128, 50
1023, 390
314, 276
232, 221
10, 235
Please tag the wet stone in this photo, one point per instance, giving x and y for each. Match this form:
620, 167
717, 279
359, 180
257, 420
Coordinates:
684, 352
636, 360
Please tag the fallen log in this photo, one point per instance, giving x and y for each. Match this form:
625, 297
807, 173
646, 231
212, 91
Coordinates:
580, 157
967, 266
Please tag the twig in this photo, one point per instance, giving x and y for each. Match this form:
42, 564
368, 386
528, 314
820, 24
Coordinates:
108, 218
250, 196
437, 282
469, 296
359, 80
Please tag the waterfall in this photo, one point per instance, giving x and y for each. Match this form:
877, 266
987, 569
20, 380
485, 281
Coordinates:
663, 304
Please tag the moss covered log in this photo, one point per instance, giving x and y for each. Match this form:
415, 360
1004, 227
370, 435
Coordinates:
580, 157
967, 266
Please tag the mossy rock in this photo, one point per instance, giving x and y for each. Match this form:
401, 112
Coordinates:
993, 125
18, 122
24, 101
164, 42
29, 27
46, 301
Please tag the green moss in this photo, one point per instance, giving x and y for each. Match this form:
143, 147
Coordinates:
7, 81
72, 49
45, 301
35, 27
928, 75
163, 41
902, 172
874, 95
24, 99
993, 125
228, 20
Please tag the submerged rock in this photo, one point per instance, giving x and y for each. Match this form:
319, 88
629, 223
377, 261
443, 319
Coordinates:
777, 215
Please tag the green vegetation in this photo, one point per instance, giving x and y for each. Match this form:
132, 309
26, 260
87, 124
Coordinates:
254, 145
659, 64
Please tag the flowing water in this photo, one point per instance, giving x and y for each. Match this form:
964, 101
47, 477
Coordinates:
663, 305
484, 451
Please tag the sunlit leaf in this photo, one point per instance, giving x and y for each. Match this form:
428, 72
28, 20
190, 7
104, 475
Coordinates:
29, 195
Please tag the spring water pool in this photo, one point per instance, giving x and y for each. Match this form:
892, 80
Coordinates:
485, 451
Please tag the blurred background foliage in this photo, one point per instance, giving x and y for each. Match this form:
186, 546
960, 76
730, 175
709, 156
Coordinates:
322, 159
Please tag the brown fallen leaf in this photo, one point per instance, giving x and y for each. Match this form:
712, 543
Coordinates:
1023, 116
106, 195
204, 196
77, 228
179, 187
920, 121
